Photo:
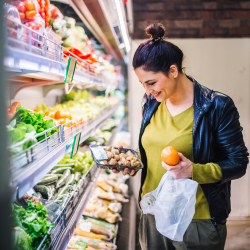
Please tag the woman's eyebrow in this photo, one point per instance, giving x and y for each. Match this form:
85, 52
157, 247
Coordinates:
148, 81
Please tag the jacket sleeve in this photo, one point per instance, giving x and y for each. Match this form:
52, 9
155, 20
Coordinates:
230, 144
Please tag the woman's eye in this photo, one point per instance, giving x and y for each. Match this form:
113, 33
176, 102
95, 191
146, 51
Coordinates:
151, 83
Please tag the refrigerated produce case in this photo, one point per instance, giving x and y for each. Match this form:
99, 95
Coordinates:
35, 60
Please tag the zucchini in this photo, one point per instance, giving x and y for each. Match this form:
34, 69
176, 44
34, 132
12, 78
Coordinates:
48, 179
70, 180
42, 189
80, 183
51, 191
62, 192
63, 179
71, 165
61, 170
77, 176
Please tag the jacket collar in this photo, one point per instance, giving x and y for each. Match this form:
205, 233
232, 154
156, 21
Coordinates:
203, 96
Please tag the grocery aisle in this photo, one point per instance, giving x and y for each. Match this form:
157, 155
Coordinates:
66, 92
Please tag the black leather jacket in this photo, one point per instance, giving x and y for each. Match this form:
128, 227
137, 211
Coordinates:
217, 137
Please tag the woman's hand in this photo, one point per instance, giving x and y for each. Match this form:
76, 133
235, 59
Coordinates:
126, 170
182, 170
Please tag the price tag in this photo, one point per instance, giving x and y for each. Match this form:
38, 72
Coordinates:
99, 153
70, 71
75, 144
30, 192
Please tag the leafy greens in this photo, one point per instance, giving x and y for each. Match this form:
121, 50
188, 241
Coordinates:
33, 221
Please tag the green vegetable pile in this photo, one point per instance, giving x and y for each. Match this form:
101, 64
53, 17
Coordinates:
82, 162
25, 124
30, 226
65, 178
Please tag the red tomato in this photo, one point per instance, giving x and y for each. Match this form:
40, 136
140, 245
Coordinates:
32, 26
22, 15
30, 14
38, 26
22, 8
30, 5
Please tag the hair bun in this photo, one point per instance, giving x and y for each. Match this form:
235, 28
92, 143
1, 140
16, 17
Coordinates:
156, 30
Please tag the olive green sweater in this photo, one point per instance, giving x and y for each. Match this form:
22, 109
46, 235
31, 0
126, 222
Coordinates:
165, 130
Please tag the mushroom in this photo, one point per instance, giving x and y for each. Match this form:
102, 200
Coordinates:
110, 155
117, 157
108, 148
113, 161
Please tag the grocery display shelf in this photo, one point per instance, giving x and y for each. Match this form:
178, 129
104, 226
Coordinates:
31, 59
68, 231
27, 177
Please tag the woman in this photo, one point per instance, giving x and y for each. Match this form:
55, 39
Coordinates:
204, 128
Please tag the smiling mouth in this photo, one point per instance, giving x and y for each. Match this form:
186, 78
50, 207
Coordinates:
156, 94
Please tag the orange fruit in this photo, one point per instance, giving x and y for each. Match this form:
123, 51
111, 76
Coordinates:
170, 156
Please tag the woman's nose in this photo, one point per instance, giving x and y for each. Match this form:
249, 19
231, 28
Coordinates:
147, 88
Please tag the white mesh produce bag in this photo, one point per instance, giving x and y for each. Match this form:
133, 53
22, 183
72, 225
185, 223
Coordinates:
173, 205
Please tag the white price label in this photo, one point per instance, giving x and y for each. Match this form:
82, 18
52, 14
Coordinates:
99, 153
30, 192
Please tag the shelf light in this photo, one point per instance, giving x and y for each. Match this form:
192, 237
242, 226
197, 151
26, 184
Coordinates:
123, 25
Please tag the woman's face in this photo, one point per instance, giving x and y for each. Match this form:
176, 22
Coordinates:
158, 84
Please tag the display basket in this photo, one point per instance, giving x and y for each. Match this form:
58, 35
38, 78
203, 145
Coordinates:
118, 167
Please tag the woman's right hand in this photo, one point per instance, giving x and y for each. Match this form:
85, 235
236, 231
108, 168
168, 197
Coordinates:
126, 170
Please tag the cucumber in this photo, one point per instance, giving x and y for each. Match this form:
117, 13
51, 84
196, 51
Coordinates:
63, 179
71, 165
70, 180
48, 179
62, 192
42, 189
80, 183
77, 176
39, 195
51, 192
61, 170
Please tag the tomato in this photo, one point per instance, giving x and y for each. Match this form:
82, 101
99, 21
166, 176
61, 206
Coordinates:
12, 109
32, 26
16, 104
50, 114
38, 26
22, 15
30, 5
170, 156
30, 14
22, 8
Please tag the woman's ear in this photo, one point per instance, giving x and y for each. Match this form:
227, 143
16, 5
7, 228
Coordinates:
173, 71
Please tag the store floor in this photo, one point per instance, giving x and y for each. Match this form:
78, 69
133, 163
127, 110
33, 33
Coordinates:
238, 235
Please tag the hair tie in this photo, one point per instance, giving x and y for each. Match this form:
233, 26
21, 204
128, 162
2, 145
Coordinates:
157, 39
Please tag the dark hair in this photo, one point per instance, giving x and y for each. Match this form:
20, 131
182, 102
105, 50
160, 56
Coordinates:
156, 54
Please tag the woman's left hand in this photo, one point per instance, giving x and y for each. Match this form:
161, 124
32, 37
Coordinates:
182, 170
